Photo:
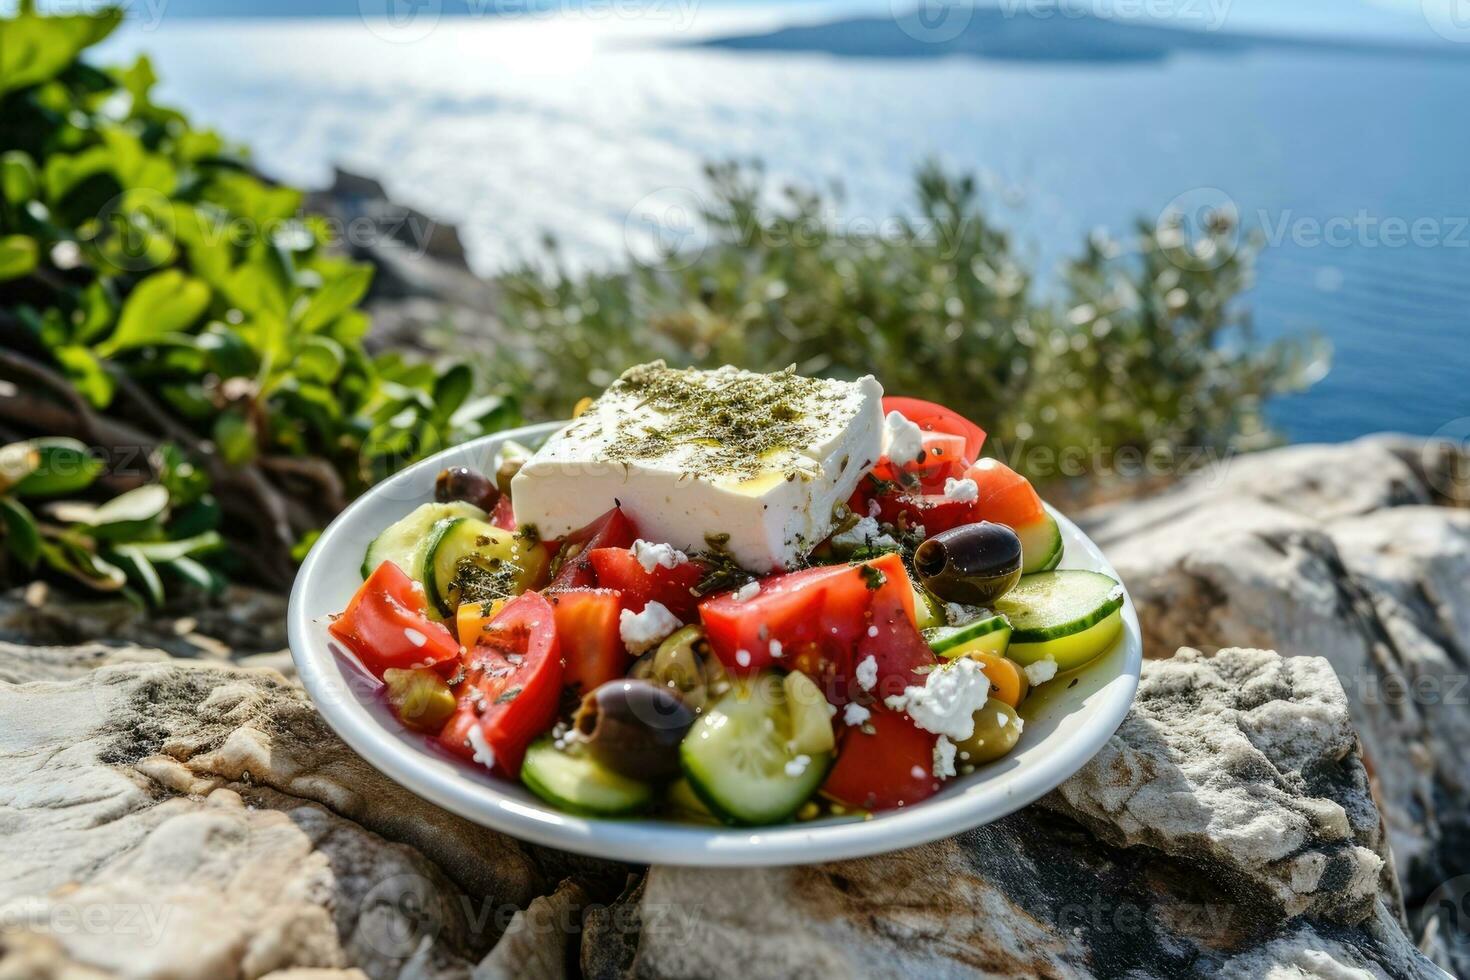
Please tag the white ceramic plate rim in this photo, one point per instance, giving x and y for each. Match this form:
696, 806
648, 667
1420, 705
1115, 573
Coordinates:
507, 807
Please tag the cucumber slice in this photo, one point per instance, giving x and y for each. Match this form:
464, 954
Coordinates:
404, 541
510, 565
1052, 606
1071, 652
739, 759
988, 635
572, 780
1041, 546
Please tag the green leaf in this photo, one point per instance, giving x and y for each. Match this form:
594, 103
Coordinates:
139, 570
62, 466
165, 551
195, 574
34, 49
74, 560
336, 298
451, 389
18, 177
97, 311
319, 359
87, 374
164, 303
146, 503
235, 438
22, 536
18, 256
256, 289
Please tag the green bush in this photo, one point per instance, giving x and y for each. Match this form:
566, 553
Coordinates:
1143, 350
178, 315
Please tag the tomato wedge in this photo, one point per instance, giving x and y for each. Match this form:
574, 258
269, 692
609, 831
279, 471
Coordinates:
611, 530
618, 568
936, 418
587, 629
814, 621
892, 767
503, 516
386, 625
511, 687
933, 512
1006, 497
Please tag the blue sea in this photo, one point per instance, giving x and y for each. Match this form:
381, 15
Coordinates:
1354, 164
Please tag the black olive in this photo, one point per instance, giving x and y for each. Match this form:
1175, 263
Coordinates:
463, 483
634, 728
974, 564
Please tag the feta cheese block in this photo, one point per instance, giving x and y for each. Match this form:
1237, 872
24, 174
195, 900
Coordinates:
749, 464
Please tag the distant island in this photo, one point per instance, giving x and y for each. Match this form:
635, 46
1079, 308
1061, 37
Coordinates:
1015, 34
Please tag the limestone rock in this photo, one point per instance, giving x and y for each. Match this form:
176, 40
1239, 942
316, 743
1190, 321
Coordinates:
1340, 551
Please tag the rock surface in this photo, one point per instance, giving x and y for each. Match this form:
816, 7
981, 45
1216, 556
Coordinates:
199, 820
1355, 552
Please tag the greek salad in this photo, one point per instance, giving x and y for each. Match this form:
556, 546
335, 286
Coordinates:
731, 597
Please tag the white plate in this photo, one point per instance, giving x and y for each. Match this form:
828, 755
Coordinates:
1066, 723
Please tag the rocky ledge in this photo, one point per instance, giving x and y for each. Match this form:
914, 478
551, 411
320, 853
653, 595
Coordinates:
169, 812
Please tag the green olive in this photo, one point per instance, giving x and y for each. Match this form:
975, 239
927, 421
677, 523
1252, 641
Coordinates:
997, 730
634, 728
684, 663
420, 698
974, 564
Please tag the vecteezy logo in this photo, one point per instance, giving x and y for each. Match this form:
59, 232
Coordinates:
400, 21
666, 229
932, 21
1451, 476
1199, 230
1450, 19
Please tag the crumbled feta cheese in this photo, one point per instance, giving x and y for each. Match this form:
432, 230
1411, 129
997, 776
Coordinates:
651, 555
1002, 719
872, 631
867, 673
798, 765
918, 772
776, 649
855, 714
1041, 671
742, 657
903, 440
415, 637
642, 630
483, 753
947, 702
866, 533
959, 614
747, 592
874, 509
964, 491
944, 751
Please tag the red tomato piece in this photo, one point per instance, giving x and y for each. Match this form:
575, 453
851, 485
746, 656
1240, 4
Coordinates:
587, 629
611, 530
511, 688
386, 625
503, 516
943, 457
934, 512
1006, 497
893, 641
618, 568
936, 418
818, 619
892, 767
